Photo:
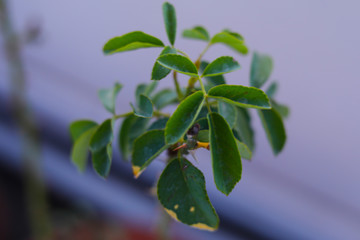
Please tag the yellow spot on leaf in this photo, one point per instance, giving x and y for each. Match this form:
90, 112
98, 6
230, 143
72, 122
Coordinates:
137, 171
203, 226
172, 214
192, 209
196, 225
176, 206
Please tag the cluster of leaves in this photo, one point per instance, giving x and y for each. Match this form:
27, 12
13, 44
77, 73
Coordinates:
210, 114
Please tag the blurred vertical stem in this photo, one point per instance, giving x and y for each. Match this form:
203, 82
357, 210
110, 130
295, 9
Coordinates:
35, 190
192, 80
177, 86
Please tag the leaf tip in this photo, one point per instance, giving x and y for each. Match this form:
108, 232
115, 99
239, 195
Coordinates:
136, 171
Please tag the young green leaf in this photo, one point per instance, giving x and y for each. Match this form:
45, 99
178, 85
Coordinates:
235, 34
243, 127
159, 72
150, 88
146, 148
131, 128
231, 41
80, 149
241, 96
77, 128
182, 192
164, 98
283, 110
102, 137
211, 81
221, 66
226, 160
274, 129
144, 107
261, 68
179, 64
203, 136
145, 89
228, 112
198, 32
244, 150
183, 117
108, 97
170, 21
101, 160
272, 89
140, 89
131, 41
159, 124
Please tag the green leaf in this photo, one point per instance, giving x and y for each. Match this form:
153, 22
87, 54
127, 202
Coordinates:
146, 148
159, 72
228, 112
235, 34
211, 81
164, 98
183, 117
140, 89
131, 41
221, 66
131, 128
102, 160
179, 64
261, 68
181, 191
203, 136
272, 89
150, 88
241, 96
159, 124
144, 108
77, 128
226, 160
231, 41
198, 32
80, 149
102, 137
145, 89
244, 150
283, 110
274, 129
243, 127
108, 97
170, 21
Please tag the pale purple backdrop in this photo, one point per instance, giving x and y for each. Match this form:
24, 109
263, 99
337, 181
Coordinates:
312, 187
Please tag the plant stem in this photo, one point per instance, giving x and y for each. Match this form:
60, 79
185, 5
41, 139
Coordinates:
160, 114
123, 115
33, 179
202, 86
205, 94
177, 86
202, 54
183, 53
192, 81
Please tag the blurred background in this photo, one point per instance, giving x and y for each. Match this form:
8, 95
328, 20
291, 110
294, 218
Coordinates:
309, 191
